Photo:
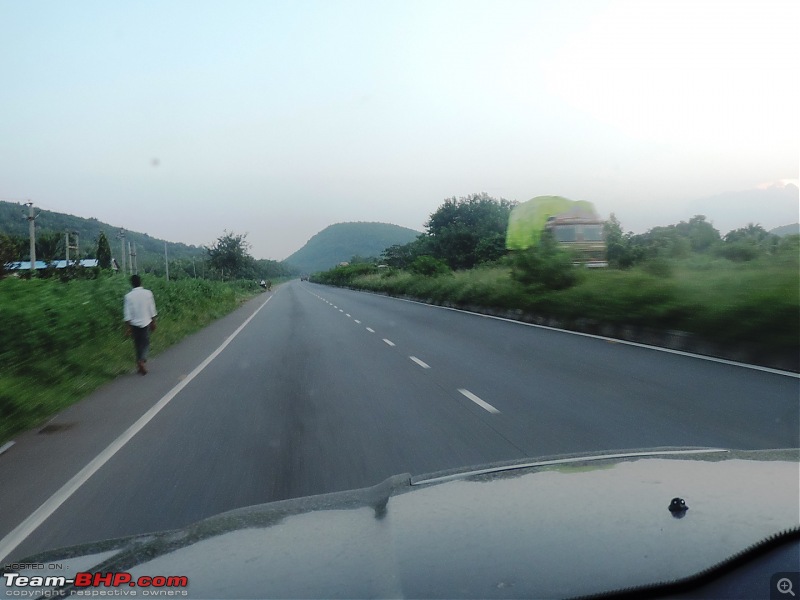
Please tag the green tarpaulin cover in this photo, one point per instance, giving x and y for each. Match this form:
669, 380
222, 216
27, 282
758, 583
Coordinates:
527, 220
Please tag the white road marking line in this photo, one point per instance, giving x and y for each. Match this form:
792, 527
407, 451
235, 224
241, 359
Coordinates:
370, 329
334, 306
6, 446
41, 514
723, 361
419, 362
479, 402
347, 314
390, 342
340, 310
357, 321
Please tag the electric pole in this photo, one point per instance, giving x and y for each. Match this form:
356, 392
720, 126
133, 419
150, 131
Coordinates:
69, 247
31, 232
166, 259
121, 237
134, 262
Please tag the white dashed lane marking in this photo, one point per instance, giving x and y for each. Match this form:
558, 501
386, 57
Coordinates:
484, 405
419, 362
465, 392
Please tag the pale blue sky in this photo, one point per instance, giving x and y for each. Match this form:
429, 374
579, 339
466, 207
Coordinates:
182, 119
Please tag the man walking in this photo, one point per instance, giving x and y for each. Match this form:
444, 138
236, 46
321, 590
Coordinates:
140, 317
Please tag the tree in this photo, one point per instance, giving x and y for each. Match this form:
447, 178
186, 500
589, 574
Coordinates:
401, 256
752, 233
103, 252
466, 231
229, 255
9, 252
701, 234
748, 243
48, 246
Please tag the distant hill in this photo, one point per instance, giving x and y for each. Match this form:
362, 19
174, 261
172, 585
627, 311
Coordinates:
340, 242
768, 206
793, 229
148, 249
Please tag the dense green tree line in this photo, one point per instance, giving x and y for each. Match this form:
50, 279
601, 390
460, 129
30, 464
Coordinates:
462, 233
227, 258
695, 236
467, 232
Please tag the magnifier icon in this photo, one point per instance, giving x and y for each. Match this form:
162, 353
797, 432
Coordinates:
784, 586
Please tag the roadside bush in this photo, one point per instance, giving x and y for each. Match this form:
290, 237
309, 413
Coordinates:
545, 266
428, 266
658, 267
739, 251
343, 275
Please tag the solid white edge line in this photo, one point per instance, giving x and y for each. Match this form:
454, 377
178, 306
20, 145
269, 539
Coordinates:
6, 446
14, 538
390, 342
422, 364
723, 361
484, 405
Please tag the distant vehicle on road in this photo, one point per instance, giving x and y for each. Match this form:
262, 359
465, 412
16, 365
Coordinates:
581, 231
575, 225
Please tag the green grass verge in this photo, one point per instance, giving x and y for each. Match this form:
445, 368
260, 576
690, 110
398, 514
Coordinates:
61, 340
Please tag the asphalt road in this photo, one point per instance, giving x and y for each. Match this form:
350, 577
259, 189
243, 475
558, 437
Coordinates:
325, 389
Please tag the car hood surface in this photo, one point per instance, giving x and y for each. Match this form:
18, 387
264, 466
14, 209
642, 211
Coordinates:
556, 527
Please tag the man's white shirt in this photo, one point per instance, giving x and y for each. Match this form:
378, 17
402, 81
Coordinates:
140, 307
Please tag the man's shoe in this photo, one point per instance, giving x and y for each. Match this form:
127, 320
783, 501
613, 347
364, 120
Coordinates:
142, 368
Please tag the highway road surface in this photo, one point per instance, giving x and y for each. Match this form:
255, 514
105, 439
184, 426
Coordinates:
312, 389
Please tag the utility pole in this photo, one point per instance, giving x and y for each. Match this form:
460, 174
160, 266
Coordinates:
166, 259
134, 262
69, 247
121, 236
31, 232
130, 259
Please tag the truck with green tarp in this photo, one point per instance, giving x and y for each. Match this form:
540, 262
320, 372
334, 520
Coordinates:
574, 224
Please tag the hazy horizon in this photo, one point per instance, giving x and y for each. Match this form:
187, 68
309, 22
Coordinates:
279, 119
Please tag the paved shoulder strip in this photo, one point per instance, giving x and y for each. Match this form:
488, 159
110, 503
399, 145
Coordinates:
9, 543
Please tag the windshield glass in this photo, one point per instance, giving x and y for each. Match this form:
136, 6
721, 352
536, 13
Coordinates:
256, 251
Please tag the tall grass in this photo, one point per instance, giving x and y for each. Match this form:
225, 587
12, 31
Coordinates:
61, 340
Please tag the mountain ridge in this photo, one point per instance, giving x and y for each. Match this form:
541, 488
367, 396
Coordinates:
341, 241
13, 222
